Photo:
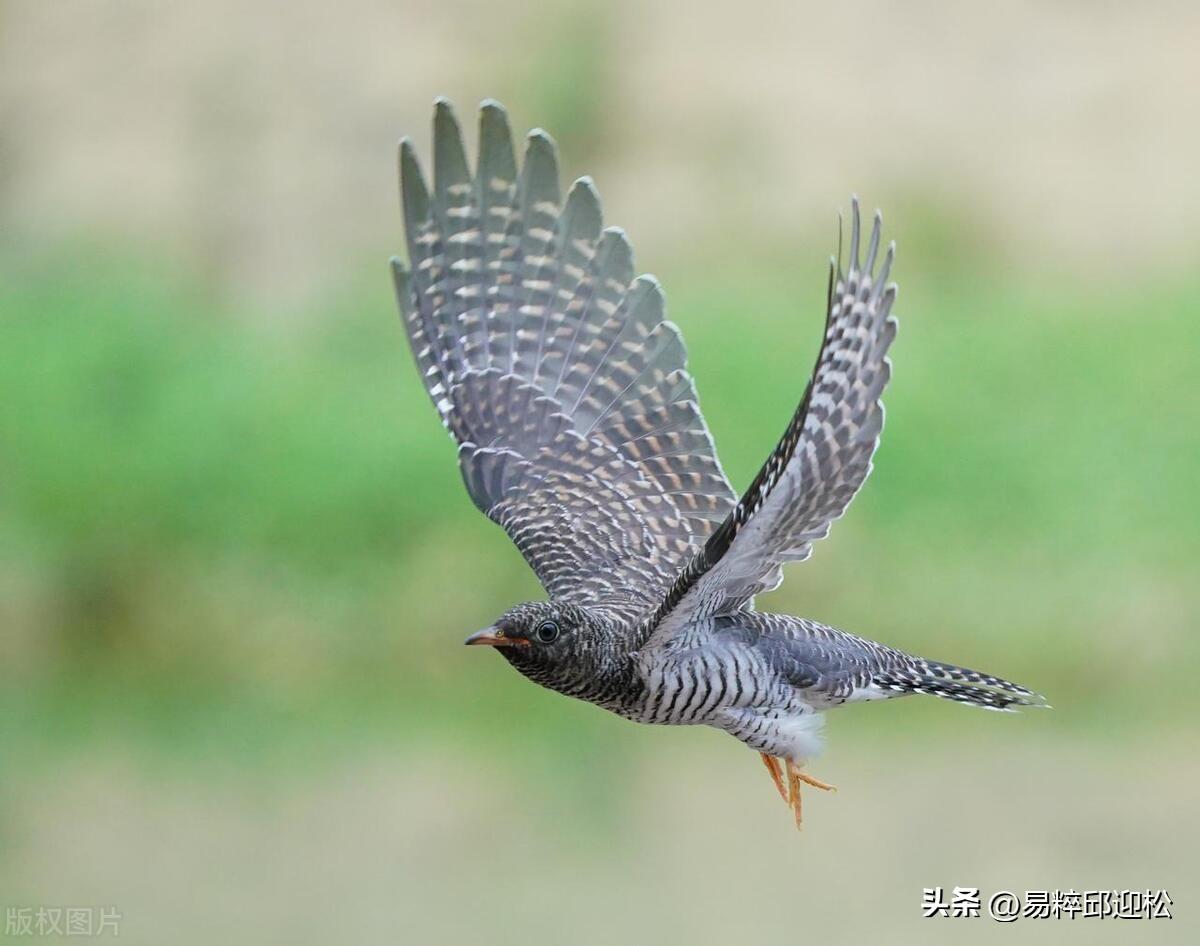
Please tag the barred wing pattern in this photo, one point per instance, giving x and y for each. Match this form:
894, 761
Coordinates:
555, 371
818, 466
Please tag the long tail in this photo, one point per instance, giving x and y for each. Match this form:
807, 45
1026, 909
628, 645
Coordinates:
958, 684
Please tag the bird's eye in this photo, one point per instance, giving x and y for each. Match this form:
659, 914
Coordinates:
547, 632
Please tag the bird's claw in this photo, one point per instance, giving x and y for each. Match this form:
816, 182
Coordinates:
791, 794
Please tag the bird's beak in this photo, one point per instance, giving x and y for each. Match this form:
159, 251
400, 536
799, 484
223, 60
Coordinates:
495, 637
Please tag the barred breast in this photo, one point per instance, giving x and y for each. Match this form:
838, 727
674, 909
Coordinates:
694, 685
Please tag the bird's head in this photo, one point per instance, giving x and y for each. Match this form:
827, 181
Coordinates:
536, 626
558, 645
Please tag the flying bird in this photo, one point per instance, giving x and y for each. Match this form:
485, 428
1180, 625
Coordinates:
579, 432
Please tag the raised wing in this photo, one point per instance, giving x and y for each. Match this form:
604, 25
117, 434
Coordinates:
820, 463
554, 370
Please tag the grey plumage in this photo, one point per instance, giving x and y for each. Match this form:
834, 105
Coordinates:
554, 370
580, 433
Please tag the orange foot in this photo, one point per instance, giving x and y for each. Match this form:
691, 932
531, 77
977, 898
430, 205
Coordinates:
776, 771
795, 777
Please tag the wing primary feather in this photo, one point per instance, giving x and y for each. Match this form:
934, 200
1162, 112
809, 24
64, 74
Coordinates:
496, 179
449, 157
854, 234
886, 269
413, 191
424, 247
538, 199
840, 242
873, 246
833, 271
497, 161
461, 317
539, 173
588, 218
424, 243
576, 232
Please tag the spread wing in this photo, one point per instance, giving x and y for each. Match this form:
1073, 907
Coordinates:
820, 463
556, 372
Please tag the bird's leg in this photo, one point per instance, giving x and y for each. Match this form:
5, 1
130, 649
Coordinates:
795, 777
773, 767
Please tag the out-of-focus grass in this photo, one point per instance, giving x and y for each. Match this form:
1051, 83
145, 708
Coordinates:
235, 535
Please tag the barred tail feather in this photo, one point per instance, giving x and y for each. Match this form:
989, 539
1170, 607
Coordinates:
959, 684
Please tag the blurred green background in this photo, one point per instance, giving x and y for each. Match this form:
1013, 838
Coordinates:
236, 561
